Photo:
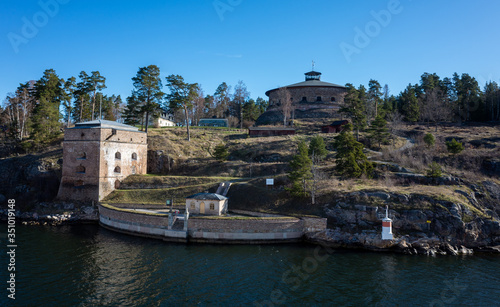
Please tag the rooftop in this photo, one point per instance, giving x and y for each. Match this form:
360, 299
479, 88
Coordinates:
312, 80
102, 123
207, 196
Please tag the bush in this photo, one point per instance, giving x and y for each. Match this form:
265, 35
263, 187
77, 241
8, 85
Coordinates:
220, 152
429, 140
454, 146
434, 170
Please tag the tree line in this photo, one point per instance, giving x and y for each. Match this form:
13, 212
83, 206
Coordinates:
432, 100
37, 111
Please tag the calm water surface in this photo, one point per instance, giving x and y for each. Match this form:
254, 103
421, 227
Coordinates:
91, 266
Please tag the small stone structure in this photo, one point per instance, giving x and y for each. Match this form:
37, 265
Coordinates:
213, 122
207, 203
97, 156
269, 131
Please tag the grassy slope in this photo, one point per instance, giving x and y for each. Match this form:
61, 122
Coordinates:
268, 157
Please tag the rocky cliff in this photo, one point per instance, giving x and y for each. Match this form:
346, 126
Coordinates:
421, 224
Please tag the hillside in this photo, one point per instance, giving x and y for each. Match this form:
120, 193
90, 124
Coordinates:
462, 206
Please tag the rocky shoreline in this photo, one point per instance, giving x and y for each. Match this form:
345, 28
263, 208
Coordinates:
433, 246
68, 214
332, 238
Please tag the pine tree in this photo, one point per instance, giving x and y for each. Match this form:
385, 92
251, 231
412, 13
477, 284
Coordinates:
132, 113
220, 152
147, 90
317, 148
45, 119
354, 107
408, 103
454, 146
181, 97
350, 159
429, 140
301, 171
378, 131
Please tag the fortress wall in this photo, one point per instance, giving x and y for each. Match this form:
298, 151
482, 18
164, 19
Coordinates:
213, 230
257, 230
311, 94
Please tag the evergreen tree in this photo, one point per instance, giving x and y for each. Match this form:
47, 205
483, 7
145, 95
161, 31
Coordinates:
82, 110
408, 104
301, 171
220, 152
133, 113
354, 108
262, 104
378, 132
454, 146
429, 140
434, 170
250, 111
147, 90
350, 159
95, 82
467, 93
374, 97
181, 97
221, 100
69, 89
45, 119
317, 148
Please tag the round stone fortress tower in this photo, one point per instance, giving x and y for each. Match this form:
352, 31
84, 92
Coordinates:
311, 98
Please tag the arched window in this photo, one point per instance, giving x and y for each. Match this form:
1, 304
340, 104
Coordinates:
333, 99
212, 206
79, 184
81, 156
118, 169
117, 184
80, 169
318, 98
304, 99
118, 155
134, 156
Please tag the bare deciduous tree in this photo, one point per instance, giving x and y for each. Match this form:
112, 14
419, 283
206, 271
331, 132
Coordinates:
433, 107
285, 104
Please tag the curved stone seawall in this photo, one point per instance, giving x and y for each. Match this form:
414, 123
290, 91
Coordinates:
248, 229
139, 223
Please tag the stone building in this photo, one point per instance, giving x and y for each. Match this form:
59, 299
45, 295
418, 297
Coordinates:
213, 122
311, 98
207, 203
97, 156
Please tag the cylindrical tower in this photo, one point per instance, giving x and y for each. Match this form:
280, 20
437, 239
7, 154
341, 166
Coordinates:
387, 226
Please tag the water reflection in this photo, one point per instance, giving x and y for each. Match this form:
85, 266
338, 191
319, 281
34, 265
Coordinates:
89, 266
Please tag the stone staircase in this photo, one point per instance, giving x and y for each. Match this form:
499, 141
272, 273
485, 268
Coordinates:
223, 188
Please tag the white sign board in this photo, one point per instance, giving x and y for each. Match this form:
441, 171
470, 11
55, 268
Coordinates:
269, 181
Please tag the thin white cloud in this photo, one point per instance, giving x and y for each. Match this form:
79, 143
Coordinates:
231, 56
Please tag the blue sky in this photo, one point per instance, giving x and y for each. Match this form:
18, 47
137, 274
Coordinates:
264, 43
